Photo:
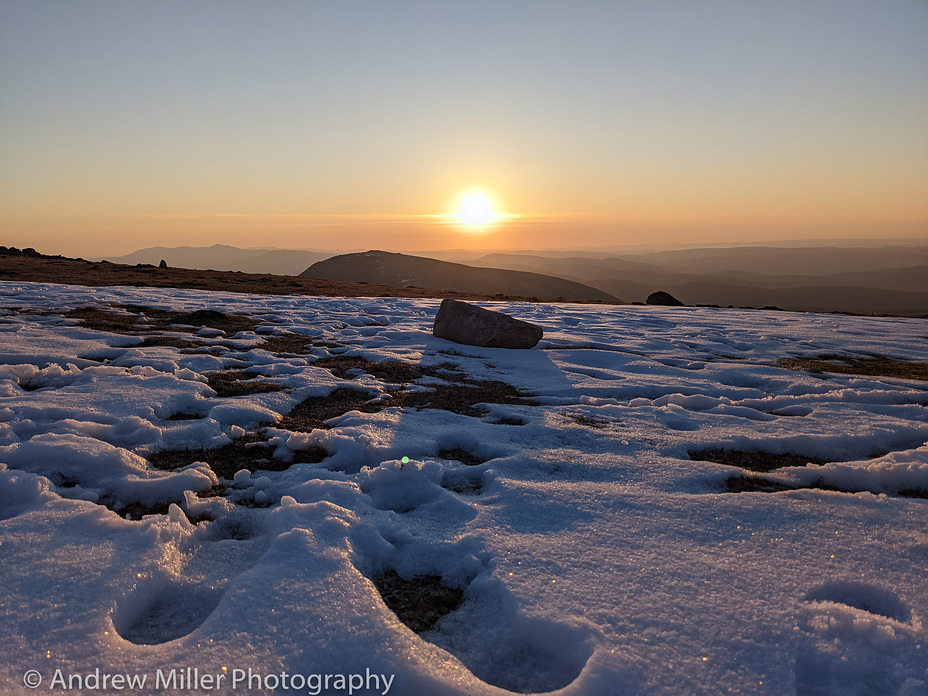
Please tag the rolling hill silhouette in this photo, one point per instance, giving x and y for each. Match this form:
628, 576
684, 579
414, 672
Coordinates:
402, 270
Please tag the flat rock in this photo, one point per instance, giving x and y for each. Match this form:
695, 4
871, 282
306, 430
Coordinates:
465, 323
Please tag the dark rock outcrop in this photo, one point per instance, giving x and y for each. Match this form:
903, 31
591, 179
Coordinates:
465, 323
13, 251
664, 299
163, 264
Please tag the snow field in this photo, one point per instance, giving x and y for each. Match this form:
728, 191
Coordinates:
595, 556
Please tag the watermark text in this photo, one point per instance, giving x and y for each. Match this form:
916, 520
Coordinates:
194, 679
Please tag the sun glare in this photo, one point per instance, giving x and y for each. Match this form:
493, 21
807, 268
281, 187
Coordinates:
476, 209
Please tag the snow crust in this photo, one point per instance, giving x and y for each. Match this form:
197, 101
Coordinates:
597, 558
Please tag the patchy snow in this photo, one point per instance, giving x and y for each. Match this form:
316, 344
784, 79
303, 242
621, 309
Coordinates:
595, 557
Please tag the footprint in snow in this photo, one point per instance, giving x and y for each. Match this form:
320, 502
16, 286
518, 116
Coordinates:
852, 637
162, 609
863, 596
482, 627
507, 649
157, 614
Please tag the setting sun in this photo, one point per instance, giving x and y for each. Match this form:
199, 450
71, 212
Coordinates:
476, 209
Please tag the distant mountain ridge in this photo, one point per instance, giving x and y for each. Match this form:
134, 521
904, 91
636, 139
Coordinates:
222, 257
891, 280
402, 270
869, 279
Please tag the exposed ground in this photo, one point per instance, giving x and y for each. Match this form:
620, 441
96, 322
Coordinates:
41, 268
420, 602
872, 365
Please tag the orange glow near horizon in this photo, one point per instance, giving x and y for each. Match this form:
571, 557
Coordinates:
476, 210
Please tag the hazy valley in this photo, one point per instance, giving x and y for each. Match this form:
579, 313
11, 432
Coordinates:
879, 279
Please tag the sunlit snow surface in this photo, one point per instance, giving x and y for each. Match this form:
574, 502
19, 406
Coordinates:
598, 558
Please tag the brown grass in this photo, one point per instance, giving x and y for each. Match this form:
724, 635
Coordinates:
230, 383
229, 458
872, 366
461, 396
102, 320
286, 344
314, 411
393, 371
138, 319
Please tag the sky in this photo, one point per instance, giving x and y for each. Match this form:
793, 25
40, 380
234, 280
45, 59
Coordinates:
352, 125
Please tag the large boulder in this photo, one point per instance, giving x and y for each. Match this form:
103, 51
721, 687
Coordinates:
664, 299
465, 323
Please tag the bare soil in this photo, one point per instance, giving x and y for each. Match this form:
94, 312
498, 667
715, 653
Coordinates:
758, 484
460, 455
419, 603
752, 460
